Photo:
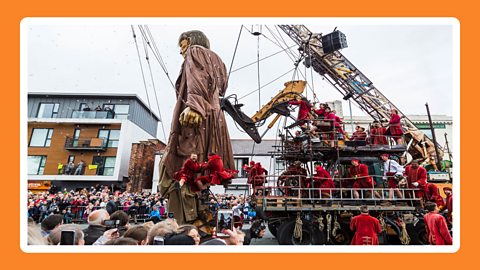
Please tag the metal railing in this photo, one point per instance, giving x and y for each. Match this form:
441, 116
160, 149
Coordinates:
85, 143
93, 114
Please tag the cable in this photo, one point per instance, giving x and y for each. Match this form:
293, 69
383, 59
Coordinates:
266, 84
258, 73
261, 59
235, 52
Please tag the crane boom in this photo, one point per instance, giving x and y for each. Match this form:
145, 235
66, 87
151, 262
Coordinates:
352, 83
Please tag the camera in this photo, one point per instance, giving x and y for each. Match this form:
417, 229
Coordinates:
67, 238
158, 241
170, 215
110, 224
224, 222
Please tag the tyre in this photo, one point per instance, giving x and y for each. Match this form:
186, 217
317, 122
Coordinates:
343, 236
273, 227
310, 234
260, 214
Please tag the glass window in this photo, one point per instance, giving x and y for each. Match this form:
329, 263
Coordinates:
121, 111
48, 110
239, 162
41, 137
36, 164
111, 136
109, 166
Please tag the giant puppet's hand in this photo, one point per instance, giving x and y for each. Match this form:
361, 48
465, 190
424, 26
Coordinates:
189, 117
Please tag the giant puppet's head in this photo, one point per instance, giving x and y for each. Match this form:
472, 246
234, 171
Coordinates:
190, 38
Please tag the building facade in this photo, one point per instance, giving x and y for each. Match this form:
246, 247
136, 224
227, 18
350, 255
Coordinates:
80, 140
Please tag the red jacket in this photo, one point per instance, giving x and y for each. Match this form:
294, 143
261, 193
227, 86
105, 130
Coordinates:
361, 172
377, 136
449, 206
359, 136
188, 171
395, 127
432, 194
217, 172
256, 176
322, 179
366, 229
304, 109
437, 229
418, 175
320, 112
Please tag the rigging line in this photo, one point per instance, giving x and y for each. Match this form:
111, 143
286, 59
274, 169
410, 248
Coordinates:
261, 59
266, 84
160, 55
279, 45
235, 52
141, 68
281, 36
155, 94
258, 73
160, 62
147, 40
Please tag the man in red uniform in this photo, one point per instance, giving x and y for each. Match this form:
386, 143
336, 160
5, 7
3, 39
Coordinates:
416, 178
304, 111
377, 134
436, 226
359, 134
187, 174
395, 127
449, 203
359, 172
323, 180
366, 228
433, 195
257, 176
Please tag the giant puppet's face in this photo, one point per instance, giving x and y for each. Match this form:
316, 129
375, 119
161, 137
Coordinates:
184, 44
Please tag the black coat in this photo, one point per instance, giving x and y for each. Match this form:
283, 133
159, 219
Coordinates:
111, 207
92, 233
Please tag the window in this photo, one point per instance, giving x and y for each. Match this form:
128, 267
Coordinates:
120, 110
279, 165
239, 162
110, 136
105, 165
48, 110
36, 164
71, 158
41, 137
83, 106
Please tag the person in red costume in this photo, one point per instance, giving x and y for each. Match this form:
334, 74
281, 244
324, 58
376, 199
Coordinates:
366, 228
395, 127
377, 134
359, 134
187, 174
332, 118
436, 226
248, 167
433, 195
322, 179
216, 173
257, 176
321, 111
449, 203
359, 172
416, 178
304, 111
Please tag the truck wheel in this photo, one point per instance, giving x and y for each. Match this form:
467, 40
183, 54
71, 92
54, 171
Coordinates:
260, 214
273, 227
310, 235
418, 234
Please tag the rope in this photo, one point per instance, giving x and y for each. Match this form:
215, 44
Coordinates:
321, 226
235, 52
404, 237
336, 226
297, 232
329, 226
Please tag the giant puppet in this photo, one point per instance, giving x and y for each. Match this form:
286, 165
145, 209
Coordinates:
198, 123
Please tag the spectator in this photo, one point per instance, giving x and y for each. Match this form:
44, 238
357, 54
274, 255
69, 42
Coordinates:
190, 231
257, 230
155, 214
35, 236
179, 239
122, 217
111, 205
122, 241
96, 226
55, 235
50, 223
163, 228
436, 226
139, 233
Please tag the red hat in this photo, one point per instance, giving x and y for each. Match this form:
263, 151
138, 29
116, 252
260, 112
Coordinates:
356, 159
385, 154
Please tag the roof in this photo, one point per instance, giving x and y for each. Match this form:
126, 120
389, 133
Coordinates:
96, 95
247, 147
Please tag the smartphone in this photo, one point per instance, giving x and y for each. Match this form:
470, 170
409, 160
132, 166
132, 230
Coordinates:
224, 222
158, 240
67, 238
170, 215
111, 223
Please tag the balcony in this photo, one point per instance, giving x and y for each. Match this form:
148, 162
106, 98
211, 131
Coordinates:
93, 114
92, 144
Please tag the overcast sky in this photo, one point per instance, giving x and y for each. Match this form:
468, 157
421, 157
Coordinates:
409, 63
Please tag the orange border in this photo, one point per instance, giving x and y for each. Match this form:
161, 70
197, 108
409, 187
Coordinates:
13, 12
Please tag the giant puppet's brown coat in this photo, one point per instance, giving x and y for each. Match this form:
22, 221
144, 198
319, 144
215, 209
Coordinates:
202, 79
